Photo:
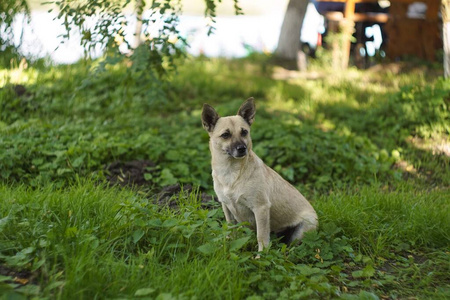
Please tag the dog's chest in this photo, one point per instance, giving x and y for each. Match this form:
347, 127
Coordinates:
230, 196
235, 201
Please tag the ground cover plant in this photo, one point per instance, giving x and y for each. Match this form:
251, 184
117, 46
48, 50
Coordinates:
368, 148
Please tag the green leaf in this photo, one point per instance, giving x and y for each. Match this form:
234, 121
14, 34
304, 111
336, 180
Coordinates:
238, 244
255, 297
212, 213
5, 173
207, 249
28, 250
357, 274
169, 223
5, 278
165, 296
167, 178
173, 155
144, 292
354, 283
13, 295
71, 232
288, 173
62, 171
29, 290
38, 264
305, 293
349, 297
364, 295
78, 161
368, 271
137, 235
307, 270
154, 223
3, 222
37, 161
54, 285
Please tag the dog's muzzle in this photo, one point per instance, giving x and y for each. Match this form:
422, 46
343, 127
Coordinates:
238, 151
241, 150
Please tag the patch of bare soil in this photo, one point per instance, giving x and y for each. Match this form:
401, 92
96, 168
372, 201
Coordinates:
21, 90
21, 277
131, 174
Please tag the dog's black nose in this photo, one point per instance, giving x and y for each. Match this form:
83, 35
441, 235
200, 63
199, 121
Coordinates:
241, 148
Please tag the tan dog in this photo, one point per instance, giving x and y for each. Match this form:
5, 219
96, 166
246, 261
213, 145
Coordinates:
249, 190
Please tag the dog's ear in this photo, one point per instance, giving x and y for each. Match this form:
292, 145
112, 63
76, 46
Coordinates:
209, 117
248, 110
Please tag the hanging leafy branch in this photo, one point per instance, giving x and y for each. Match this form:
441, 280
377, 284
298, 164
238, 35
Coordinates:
9, 10
102, 25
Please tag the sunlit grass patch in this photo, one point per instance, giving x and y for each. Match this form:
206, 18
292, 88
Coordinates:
380, 220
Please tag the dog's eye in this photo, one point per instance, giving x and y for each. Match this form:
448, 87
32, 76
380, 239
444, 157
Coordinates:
225, 135
244, 132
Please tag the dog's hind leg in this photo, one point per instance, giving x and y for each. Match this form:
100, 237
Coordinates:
309, 223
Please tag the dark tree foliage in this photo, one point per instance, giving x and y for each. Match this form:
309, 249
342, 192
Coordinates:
9, 9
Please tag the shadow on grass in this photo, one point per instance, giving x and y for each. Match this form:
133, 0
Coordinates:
323, 134
392, 123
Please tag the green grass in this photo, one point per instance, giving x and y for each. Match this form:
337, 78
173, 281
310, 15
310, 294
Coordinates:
89, 241
363, 146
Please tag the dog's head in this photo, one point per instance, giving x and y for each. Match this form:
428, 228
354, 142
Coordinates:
230, 135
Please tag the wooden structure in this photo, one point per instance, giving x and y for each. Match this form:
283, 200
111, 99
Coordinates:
418, 37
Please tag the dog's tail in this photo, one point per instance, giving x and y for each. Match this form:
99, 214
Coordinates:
310, 222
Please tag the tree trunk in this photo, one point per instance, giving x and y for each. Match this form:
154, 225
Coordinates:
137, 32
445, 11
289, 40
